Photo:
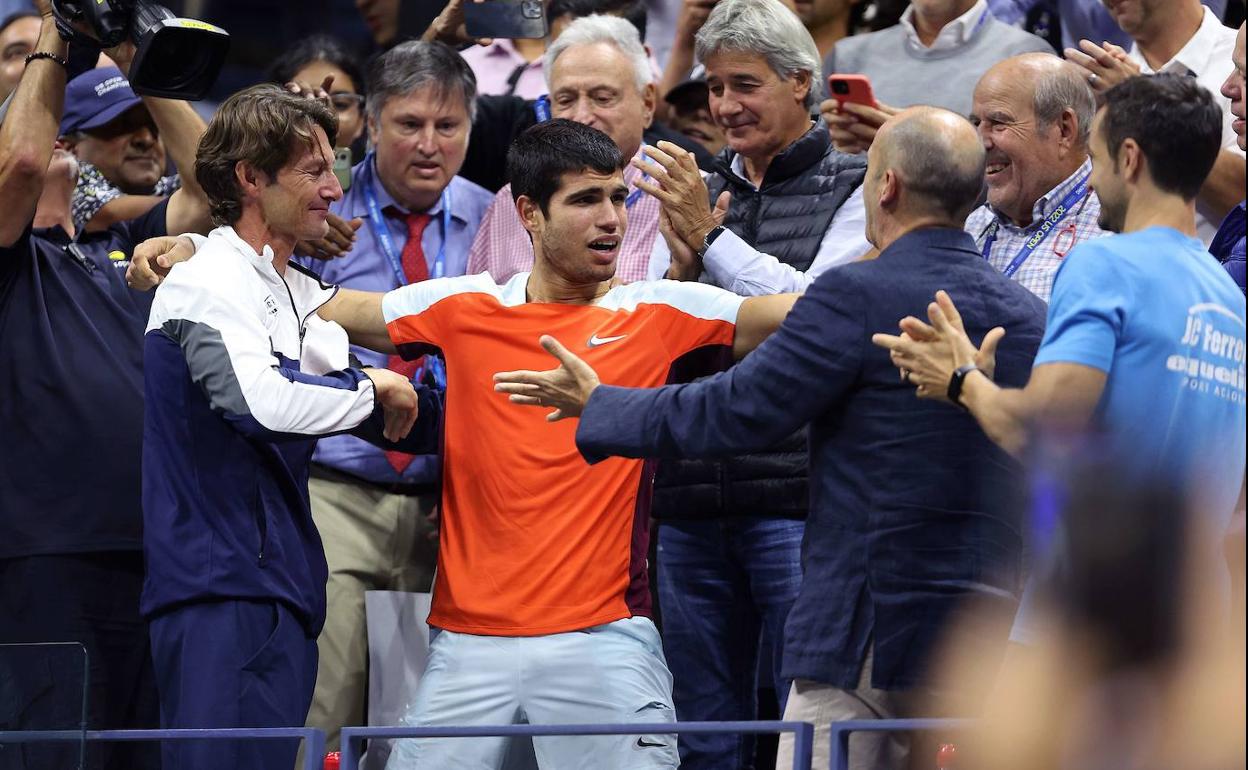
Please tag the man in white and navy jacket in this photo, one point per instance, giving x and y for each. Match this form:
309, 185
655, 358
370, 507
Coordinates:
241, 378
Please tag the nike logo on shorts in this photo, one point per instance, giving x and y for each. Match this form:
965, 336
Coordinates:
642, 743
595, 340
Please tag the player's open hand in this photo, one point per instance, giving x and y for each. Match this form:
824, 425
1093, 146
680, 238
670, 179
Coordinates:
153, 258
566, 388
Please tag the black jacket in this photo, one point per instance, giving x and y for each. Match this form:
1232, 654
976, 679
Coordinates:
786, 217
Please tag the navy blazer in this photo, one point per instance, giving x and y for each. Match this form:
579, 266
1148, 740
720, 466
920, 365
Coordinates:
913, 510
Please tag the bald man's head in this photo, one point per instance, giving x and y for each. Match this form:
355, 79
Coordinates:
1053, 85
937, 159
1034, 113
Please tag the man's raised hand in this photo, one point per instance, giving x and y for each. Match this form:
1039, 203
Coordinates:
566, 388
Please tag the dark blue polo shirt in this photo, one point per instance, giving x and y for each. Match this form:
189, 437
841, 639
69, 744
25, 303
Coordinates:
71, 379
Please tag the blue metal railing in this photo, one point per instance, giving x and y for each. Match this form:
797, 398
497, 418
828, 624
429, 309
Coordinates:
841, 731
314, 757
803, 734
353, 737
60, 656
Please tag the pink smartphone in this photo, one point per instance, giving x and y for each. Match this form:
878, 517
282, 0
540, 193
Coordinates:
852, 88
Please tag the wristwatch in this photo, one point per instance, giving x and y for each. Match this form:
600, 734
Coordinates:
714, 233
955, 383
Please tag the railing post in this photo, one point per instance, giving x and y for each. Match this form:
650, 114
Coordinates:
313, 749
803, 745
349, 741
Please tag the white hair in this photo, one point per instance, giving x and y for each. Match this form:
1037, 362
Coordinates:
598, 28
765, 28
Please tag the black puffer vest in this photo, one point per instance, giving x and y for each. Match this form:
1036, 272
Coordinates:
787, 217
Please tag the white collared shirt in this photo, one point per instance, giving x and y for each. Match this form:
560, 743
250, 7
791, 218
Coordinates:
953, 35
1207, 57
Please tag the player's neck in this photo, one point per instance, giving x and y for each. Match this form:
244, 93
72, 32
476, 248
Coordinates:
1159, 209
256, 233
545, 285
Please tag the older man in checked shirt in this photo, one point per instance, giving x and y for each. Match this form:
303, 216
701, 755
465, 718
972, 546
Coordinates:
1034, 113
599, 75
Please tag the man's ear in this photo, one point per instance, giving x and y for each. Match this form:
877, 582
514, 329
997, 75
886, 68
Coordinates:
890, 189
1131, 161
68, 142
801, 85
1068, 129
530, 214
649, 101
249, 179
371, 127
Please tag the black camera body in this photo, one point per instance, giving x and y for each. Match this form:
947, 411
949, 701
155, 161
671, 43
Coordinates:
174, 58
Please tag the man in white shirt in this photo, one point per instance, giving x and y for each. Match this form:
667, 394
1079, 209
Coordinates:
1185, 38
786, 192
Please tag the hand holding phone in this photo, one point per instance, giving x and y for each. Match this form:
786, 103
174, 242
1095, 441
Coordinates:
854, 89
509, 19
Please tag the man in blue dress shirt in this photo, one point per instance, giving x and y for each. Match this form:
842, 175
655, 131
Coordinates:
910, 511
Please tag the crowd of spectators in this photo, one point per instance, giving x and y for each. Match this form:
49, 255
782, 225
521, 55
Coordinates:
893, 334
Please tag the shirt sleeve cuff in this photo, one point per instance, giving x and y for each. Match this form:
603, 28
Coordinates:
593, 434
196, 239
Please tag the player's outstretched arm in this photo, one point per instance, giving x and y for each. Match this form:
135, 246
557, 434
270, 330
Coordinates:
359, 312
758, 318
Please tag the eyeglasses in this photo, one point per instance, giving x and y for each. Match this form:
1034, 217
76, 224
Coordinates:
343, 101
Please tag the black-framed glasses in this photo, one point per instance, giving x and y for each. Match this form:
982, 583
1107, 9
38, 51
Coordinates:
344, 101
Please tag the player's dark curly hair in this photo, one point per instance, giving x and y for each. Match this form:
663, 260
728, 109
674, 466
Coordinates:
540, 157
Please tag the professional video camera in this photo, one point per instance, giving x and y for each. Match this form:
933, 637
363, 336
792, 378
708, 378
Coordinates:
175, 58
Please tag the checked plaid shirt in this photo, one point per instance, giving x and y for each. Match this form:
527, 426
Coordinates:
1037, 273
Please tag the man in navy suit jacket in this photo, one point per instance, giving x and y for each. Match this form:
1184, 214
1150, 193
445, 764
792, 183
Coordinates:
913, 509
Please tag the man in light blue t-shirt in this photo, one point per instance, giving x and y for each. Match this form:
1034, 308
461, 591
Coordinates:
1145, 344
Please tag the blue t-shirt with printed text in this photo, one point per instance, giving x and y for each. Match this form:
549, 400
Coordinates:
1166, 323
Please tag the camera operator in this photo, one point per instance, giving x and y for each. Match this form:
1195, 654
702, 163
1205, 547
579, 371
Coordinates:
71, 564
120, 147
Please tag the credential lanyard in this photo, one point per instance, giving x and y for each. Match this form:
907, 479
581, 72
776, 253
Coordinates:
382, 233
1047, 226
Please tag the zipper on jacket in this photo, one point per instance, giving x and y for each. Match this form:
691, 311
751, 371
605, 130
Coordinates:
262, 524
303, 322
294, 311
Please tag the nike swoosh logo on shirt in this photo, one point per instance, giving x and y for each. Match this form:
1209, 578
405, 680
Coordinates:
642, 743
595, 340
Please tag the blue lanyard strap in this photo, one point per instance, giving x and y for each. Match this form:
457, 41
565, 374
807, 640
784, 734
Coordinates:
382, 232
1047, 225
636, 194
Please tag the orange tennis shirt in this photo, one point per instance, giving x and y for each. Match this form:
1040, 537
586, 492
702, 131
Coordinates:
534, 540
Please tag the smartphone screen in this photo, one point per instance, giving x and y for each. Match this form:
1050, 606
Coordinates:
505, 19
342, 167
